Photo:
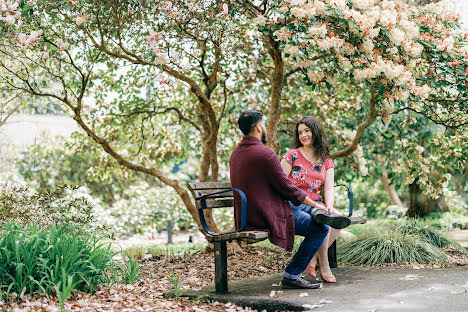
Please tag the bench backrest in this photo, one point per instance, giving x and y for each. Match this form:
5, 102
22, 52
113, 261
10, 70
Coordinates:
222, 200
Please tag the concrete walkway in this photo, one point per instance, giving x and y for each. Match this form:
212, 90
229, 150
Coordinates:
358, 289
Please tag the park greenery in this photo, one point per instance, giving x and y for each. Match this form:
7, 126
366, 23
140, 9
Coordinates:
56, 260
155, 88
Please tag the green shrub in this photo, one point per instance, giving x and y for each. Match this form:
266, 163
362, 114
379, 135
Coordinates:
54, 260
447, 220
21, 204
392, 243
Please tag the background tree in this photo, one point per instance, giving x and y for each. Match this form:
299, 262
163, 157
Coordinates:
151, 82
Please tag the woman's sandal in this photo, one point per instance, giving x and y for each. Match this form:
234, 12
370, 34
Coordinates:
311, 271
330, 278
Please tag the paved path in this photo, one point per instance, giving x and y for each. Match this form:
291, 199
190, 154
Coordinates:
358, 289
461, 236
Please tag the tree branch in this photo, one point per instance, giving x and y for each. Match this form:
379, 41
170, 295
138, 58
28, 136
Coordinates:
366, 123
4, 120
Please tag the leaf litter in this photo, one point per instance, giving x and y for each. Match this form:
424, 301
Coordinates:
195, 270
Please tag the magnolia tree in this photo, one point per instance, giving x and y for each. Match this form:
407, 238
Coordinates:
153, 82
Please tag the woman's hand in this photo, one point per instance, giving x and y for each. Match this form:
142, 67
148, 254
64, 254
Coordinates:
321, 206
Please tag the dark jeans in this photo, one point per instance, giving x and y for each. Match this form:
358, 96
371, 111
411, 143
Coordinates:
314, 235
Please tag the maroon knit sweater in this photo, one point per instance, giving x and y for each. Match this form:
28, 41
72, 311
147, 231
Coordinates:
256, 170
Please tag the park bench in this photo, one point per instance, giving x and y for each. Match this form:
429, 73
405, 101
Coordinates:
209, 195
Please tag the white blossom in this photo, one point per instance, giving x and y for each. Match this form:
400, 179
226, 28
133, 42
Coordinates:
260, 20
314, 76
292, 50
368, 46
388, 18
397, 36
318, 31
298, 12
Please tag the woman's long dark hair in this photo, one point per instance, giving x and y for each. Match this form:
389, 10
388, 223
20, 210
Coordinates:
319, 138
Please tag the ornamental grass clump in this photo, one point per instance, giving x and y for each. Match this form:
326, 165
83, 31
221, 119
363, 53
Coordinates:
431, 235
390, 244
55, 260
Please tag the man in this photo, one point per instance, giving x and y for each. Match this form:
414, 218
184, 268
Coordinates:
256, 170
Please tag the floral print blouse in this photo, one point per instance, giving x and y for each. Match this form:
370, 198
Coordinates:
309, 177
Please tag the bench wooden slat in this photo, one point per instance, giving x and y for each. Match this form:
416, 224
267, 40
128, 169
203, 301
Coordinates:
254, 235
249, 236
358, 220
199, 193
216, 203
209, 185
223, 237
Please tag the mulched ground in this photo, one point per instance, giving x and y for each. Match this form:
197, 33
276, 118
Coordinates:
195, 271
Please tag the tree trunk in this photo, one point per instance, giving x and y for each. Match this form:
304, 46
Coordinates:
422, 205
275, 96
390, 188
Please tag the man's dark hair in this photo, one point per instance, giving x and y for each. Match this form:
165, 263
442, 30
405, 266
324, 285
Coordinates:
248, 119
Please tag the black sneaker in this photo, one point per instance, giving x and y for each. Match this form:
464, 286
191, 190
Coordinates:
299, 283
334, 220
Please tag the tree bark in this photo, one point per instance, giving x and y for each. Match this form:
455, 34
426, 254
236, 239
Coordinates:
391, 191
422, 205
275, 96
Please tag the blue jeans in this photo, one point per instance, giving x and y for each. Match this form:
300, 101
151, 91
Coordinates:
314, 235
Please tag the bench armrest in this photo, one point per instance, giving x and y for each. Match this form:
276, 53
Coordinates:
201, 214
350, 197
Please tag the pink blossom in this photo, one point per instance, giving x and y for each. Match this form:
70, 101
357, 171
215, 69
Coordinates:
12, 7
10, 19
175, 57
161, 59
225, 11
154, 38
62, 45
22, 39
34, 36
80, 20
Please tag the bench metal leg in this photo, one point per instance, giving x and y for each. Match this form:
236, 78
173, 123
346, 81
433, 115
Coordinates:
221, 279
332, 256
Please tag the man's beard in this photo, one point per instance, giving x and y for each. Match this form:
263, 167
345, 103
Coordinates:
264, 141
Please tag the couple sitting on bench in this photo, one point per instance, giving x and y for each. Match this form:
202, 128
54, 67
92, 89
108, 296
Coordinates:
289, 206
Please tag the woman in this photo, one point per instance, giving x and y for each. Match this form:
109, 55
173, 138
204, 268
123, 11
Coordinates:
309, 166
